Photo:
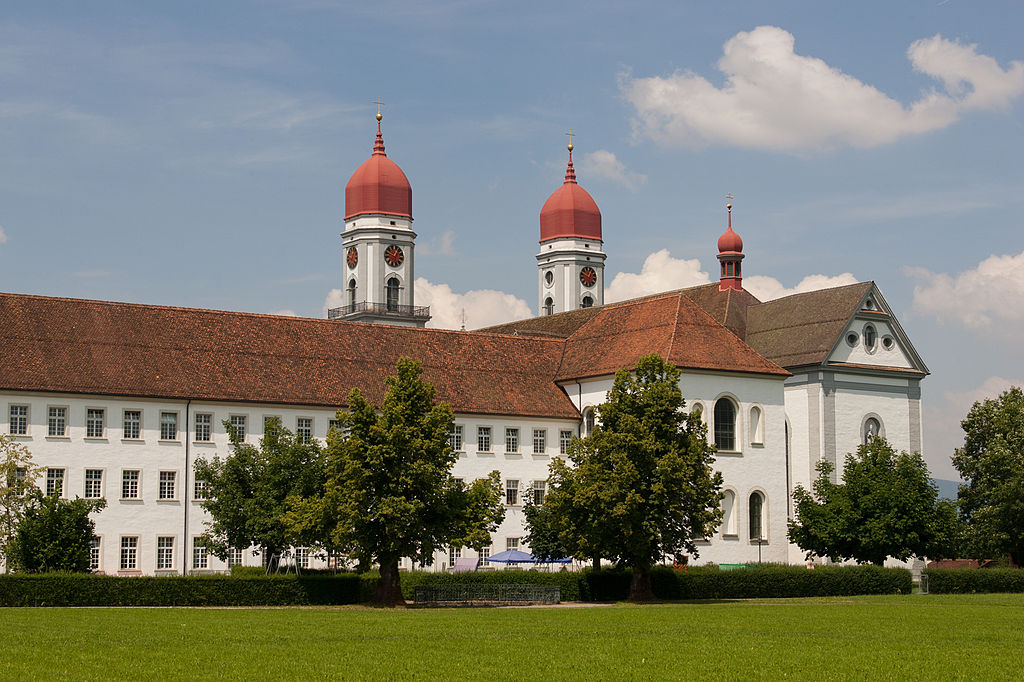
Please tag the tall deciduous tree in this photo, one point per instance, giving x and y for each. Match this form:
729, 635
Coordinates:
55, 534
991, 462
17, 480
885, 506
390, 490
248, 490
641, 486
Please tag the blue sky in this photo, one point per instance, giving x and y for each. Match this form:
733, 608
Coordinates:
196, 154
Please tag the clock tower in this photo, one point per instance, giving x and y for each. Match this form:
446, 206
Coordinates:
377, 245
571, 260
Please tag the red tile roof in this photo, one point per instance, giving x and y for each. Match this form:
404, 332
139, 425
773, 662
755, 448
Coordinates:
121, 349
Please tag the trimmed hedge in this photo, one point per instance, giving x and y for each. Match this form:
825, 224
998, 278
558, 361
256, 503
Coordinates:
570, 583
63, 589
968, 580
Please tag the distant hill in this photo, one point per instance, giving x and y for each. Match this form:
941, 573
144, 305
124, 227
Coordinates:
947, 489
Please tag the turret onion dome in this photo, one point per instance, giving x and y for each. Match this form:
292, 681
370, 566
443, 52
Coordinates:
730, 242
570, 211
378, 186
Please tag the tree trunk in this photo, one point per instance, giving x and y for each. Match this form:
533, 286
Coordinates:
597, 563
389, 587
640, 586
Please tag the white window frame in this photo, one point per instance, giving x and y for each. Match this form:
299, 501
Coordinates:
99, 483
95, 552
90, 423
512, 543
125, 423
23, 419
304, 433
511, 440
166, 474
540, 441
200, 490
165, 553
540, 487
302, 557
128, 558
455, 438
54, 481
126, 484
207, 424
166, 422
200, 555
512, 492
234, 557
564, 440
235, 420
53, 418
484, 442
454, 554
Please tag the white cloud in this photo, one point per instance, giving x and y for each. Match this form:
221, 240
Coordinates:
333, 300
773, 98
942, 417
3, 235
604, 164
441, 245
660, 272
993, 291
769, 288
287, 312
483, 307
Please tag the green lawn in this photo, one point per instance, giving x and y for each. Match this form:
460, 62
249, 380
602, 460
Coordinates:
898, 637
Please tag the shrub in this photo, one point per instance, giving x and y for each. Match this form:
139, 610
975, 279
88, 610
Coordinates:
568, 582
967, 580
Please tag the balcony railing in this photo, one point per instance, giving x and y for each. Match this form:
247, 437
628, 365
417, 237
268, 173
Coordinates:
379, 309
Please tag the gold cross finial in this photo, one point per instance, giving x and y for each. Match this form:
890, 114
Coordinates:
728, 198
570, 134
379, 104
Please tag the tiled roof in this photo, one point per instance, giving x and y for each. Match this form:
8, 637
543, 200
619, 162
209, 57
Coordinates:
729, 307
120, 349
557, 326
802, 329
671, 325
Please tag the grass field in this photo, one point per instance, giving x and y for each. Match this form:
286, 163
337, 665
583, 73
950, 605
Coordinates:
905, 637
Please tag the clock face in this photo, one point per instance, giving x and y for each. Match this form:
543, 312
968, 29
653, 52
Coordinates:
393, 256
352, 258
588, 277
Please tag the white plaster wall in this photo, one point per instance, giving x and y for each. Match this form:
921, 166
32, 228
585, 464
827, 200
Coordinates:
878, 355
565, 258
853, 406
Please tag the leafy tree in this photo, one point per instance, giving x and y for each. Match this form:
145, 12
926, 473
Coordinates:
248, 490
887, 505
991, 462
542, 531
55, 534
390, 491
17, 480
641, 486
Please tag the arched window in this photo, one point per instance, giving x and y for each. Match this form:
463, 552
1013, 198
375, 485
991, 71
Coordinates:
725, 424
729, 513
756, 425
872, 428
587, 302
588, 421
697, 410
549, 306
392, 295
352, 292
756, 516
870, 336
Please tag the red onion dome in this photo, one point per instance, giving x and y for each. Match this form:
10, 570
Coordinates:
730, 242
570, 211
378, 186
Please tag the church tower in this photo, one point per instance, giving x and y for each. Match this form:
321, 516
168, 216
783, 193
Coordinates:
730, 255
571, 261
377, 245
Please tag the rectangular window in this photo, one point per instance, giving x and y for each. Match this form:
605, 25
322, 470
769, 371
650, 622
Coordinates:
512, 491
302, 557
333, 424
168, 426
130, 484
455, 438
511, 543
511, 440
238, 423
164, 553
200, 560
483, 438
93, 483
168, 485
304, 429
485, 553
132, 425
204, 427
564, 438
200, 490
94, 553
55, 482
94, 423
129, 553
234, 557
20, 474
18, 425
454, 554
540, 441
57, 422
540, 489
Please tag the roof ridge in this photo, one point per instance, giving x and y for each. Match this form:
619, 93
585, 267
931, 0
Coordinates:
675, 326
815, 291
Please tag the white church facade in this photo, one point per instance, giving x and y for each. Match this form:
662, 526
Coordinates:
118, 400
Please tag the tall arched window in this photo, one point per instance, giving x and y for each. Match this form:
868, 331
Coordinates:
756, 425
872, 428
392, 295
756, 516
729, 513
352, 292
587, 302
549, 306
588, 421
725, 424
870, 336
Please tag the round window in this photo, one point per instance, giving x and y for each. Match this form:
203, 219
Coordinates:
888, 343
852, 339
